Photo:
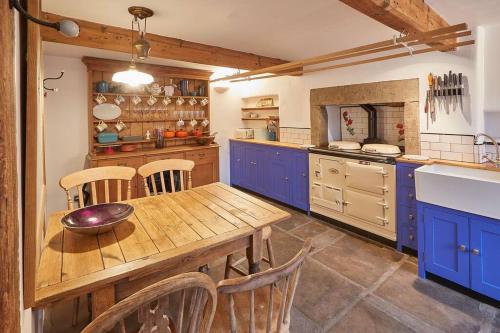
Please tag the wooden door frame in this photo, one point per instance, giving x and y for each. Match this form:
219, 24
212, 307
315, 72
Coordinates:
9, 219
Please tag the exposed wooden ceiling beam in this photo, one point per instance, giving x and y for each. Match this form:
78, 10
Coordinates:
101, 36
411, 16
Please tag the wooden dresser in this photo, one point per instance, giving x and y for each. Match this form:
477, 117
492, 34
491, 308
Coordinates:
142, 118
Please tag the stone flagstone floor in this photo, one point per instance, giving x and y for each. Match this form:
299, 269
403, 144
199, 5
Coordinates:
352, 284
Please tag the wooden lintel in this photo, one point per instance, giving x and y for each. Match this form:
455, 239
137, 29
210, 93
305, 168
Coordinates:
410, 16
100, 36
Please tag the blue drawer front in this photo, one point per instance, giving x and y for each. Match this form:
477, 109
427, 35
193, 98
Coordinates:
406, 205
407, 227
406, 196
406, 175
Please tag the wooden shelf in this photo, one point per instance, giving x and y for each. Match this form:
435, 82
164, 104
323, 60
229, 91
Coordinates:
145, 95
152, 141
261, 108
267, 118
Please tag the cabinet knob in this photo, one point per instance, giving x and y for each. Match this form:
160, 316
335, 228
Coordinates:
286, 179
277, 153
410, 195
462, 248
303, 174
238, 160
475, 252
410, 175
411, 217
411, 237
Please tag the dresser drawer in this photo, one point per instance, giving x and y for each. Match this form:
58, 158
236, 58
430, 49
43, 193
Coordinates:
407, 215
202, 156
406, 175
152, 158
406, 196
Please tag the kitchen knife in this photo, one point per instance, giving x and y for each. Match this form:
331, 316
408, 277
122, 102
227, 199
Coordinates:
460, 90
450, 84
455, 91
440, 90
445, 92
435, 89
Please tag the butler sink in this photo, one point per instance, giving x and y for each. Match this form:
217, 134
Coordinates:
465, 189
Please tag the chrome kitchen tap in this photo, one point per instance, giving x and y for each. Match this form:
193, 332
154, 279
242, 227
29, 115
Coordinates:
496, 161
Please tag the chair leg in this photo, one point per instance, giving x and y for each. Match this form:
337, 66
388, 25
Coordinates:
229, 261
270, 253
76, 310
89, 306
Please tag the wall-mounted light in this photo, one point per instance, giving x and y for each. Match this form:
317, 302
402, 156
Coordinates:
66, 27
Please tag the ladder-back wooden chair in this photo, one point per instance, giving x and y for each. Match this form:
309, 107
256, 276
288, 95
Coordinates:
232, 265
259, 302
183, 303
163, 167
94, 176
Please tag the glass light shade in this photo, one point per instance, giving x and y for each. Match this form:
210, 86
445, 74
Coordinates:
133, 77
69, 28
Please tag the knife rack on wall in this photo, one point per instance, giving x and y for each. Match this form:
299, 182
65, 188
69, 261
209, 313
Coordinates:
447, 91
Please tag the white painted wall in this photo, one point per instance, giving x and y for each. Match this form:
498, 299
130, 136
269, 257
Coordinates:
492, 63
66, 125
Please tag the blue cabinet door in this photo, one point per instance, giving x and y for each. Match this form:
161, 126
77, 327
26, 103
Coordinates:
446, 244
249, 167
485, 256
260, 166
237, 163
300, 177
278, 175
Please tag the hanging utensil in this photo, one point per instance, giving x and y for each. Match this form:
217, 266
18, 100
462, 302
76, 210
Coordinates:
430, 79
455, 91
440, 90
445, 92
460, 90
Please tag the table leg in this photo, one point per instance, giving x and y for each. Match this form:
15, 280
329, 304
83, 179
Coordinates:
102, 299
254, 252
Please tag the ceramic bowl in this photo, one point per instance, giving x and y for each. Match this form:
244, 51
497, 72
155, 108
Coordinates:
97, 219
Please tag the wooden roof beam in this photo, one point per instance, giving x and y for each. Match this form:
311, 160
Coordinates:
101, 36
411, 16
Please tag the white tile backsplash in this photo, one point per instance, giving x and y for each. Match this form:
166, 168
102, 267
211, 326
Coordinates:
295, 135
451, 147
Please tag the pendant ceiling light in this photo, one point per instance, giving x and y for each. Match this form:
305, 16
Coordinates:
140, 49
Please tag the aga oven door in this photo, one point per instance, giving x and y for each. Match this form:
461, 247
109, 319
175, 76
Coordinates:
366, 177
327, 196
367, 207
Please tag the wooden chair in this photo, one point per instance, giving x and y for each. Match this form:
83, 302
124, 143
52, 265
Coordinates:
92, 176
243, 301
232, 265
183, 303
161, 167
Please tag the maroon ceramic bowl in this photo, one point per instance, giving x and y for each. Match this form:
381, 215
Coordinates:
97, 219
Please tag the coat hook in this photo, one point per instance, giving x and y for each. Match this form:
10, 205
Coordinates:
52, 78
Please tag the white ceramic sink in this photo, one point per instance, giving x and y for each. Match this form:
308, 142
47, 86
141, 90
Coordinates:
466, 189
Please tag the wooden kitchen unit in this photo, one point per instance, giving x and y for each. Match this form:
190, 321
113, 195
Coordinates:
142, 118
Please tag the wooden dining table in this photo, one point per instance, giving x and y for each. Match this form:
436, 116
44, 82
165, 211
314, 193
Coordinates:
166, 235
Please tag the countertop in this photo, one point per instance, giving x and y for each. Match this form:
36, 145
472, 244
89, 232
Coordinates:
151, 151
272, 143
483, 166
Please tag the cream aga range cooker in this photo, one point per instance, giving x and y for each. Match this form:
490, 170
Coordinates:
356, 186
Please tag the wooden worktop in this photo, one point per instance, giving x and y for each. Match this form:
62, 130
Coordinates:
479, 166
150, 151
272, 143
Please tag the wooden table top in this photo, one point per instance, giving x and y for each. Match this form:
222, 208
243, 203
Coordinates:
161, 228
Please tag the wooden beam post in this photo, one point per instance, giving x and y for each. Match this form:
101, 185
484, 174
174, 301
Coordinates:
9, 222
411, 16
100, 36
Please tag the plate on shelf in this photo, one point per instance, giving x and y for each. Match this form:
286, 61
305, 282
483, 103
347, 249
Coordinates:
107, 111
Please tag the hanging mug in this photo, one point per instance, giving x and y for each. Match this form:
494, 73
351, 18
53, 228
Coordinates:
193, 101
152, 100
179, 101
100, 99
180, 123
205, 122
193, 123
166, 101
120, 126
136, 100
204, 102
101, 126
119, 99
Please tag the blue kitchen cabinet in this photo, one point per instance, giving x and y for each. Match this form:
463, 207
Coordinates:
460, 247
407, 235
237, 163
485, 256
446, 245
279, 173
